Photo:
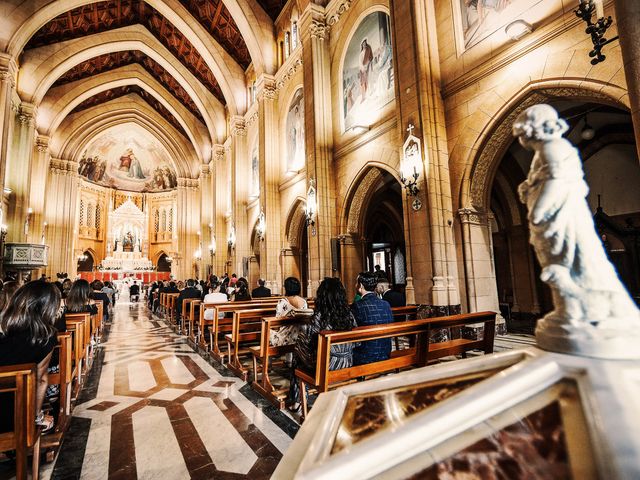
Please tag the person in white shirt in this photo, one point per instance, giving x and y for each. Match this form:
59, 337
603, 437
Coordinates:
214, 296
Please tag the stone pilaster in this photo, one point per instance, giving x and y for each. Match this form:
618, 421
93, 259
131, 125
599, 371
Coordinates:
420, 103
38, 190
188, 216
269, 181
18, 174
61, 214
239, 194
480, 275
8, 69
206, 217
221, 185
319, 139
628, 23
351, 261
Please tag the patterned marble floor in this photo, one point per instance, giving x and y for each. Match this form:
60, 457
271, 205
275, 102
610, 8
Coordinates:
153, 408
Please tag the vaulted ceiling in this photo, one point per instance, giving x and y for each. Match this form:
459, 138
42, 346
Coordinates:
111, 61
272, 7
103, 16
113, 93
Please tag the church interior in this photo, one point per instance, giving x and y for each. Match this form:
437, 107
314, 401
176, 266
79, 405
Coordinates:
198, 178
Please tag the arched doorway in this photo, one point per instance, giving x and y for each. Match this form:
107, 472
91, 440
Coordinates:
383, 232
163, 264
295, 258
86, 262
373, 222
253, 262
603, 134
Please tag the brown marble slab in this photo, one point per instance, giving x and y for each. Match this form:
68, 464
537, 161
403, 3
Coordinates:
366, 414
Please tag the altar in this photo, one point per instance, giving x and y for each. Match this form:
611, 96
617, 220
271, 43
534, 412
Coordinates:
127, 262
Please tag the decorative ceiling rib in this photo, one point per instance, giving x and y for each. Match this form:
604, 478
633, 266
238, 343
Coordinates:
109, 15
272, 7
111, 61
118, 92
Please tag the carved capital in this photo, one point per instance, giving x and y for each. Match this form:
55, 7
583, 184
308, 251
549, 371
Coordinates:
238, 127
266, 87
470, 215
42, 143
218, 153
319, 29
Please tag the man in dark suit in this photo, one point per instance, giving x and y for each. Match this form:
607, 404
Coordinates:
134, 292
392, 297
261, 291
190, 292
371, 310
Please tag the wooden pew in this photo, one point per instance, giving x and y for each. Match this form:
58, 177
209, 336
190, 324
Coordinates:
77, 323
323, 379
19, 381
171, 306
64, 377
218, 326
194, 307
245, 327
263, 353
184, 316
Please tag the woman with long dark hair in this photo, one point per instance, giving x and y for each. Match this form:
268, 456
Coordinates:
27, 335
78, 301
241, 293
331, 312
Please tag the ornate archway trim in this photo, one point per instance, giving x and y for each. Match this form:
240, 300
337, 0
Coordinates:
295, 223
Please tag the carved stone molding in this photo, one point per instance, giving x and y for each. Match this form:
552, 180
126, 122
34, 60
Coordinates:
470, 215
188, 183
363, 191
42, 144
59, 166
218, 153
296, 224
205, 171
334, 15
8, 77
499, 139
289, 72
252, 118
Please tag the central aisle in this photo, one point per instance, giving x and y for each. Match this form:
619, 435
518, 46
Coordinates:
156, 409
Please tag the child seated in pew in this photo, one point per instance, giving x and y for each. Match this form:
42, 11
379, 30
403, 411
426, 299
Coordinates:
27, 335
331, 312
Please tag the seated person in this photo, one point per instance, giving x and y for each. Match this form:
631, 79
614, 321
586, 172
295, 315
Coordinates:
190, 292
134, 292
286, 306
99, 295
331, 313
78, 301
241, 291
371, 310
392, 297
28, 336
261, 291
214, 296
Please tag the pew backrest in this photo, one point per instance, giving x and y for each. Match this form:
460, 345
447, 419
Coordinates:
20, 382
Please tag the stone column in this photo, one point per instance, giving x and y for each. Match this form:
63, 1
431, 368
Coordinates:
314, 35
289, 264
61, 214
38, 188
206, 217
8, 70
480, 275
18, 174
420, 103
219, 174
351, 261
628, 23
188, 215
239, 193
269, 181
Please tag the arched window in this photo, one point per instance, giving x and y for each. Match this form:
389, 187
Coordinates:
164, 220
287, 44
90, 218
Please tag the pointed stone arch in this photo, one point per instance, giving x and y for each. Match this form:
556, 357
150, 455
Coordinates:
296, 221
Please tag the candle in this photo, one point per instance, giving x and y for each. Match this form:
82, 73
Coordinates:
599, 8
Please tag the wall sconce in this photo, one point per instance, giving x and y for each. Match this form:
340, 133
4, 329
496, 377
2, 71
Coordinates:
588, 132
212, 247
82, 258
411, 166
169, 259
197, 254
311, 208
518, 29
598, 29
261, 227
231, 239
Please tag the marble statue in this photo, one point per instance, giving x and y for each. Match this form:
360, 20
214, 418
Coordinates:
593, 313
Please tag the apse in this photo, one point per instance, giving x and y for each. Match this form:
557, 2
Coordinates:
128, 157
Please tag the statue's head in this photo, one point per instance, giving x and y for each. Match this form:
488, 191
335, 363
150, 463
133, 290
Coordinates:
538, 124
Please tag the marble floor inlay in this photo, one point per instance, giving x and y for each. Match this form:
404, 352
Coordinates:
160, 410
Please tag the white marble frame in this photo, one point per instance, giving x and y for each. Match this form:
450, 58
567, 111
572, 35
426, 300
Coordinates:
602, 386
